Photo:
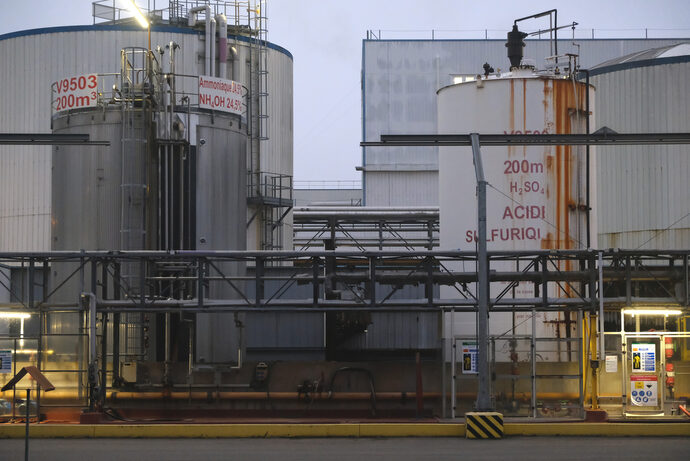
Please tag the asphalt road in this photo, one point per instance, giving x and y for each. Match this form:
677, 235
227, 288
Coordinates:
332, 449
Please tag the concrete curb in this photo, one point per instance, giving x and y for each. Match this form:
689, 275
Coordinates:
16, 431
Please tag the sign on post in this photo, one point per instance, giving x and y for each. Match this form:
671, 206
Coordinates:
643, 358
469, 357
611, 363
643, 391
75, 92
220, 94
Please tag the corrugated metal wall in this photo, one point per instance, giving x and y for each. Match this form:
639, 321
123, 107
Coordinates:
403, 188
644, 190
400, 78
31, 61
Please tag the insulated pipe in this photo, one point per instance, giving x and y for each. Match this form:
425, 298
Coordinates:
192, 20
235, 64
222, 45
211, 37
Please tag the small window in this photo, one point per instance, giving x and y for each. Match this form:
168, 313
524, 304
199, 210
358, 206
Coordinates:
462, 78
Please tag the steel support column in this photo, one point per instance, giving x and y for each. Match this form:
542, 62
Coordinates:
483, 393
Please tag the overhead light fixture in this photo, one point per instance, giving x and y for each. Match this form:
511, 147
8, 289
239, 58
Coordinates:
34, 351
652, 312
14, 315
134, 9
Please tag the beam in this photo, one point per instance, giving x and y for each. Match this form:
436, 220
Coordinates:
489, 140
48, 139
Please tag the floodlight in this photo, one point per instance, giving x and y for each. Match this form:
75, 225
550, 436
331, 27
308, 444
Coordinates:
134, 9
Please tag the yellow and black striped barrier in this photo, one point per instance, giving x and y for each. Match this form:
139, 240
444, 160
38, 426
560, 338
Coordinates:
483, 425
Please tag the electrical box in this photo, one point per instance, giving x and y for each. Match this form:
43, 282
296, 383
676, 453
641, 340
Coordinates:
128, 372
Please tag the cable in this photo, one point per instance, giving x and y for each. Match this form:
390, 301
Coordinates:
663, 230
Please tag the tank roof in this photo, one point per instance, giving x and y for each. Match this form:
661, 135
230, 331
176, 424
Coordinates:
656, 56
126, 25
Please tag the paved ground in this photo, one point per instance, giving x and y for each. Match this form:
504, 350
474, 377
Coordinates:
399, 449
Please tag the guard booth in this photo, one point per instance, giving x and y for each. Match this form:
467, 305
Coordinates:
646, 371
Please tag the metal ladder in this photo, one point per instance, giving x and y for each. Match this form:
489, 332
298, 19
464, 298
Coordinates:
134, 84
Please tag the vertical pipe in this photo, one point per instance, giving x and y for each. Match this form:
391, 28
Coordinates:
168, 337
93, 357
419, 395
372, 281
533, 359
32, 282
483, 394
14, 388
600, 355
429, 284
580, 359
200, 283
624, 352
587, 161
116, 327
555, 34
628, 282
235, 64
222, 45
315, 281
443, 364
453, 393
212, 49
259, 281
207, 44
104, 356
26, 434
685, 279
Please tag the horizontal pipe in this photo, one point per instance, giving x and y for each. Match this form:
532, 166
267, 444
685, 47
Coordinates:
340, 396
181, 255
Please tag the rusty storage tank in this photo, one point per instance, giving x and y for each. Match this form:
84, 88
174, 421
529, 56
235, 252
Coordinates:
537, 196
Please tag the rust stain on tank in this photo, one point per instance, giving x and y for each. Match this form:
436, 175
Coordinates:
563, 104
546, 242
512, 105
511, 114
524, 113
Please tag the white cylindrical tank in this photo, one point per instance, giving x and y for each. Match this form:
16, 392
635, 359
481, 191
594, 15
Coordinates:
536, 196
644, 200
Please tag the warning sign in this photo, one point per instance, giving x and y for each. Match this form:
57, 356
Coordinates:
643, 358
5, 361
611, 364
469, 357
643, 391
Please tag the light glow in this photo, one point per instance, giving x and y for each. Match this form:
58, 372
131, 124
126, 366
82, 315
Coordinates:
14, 315
134, 9
652, 312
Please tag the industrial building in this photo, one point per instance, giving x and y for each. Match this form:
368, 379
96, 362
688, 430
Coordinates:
400, 78
154, 259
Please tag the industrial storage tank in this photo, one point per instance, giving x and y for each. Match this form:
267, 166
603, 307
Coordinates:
537, 196
264, 68
172, 177
201, 165
644, 199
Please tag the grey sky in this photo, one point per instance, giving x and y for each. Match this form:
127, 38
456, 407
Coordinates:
325, 38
